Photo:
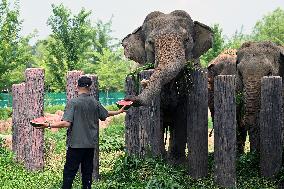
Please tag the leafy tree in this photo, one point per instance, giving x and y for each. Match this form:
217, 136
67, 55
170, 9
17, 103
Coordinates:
237, 40
73, 45
73, 33
15, 52
217, 48
270, 27
111, 69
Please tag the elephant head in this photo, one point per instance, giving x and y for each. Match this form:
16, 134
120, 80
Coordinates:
255, 60
169, 41
223, 64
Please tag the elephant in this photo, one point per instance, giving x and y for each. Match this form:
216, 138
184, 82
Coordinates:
225, 64
254, 61
171, 42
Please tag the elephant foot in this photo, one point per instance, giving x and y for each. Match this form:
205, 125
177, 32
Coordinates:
176, 158
177, 161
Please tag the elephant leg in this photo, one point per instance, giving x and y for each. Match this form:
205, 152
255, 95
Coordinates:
178, 136
254, 138
241, 131
241, 139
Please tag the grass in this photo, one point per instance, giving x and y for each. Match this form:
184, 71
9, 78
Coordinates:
118, 170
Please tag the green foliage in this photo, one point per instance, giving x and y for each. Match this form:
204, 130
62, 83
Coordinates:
270, 27
135, 72
52, 109
217, 47
237, 40
5, 113
111, 138
58, 138
111, 69
112, 107
15, 52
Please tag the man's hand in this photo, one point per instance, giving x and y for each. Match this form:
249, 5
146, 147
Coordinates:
41, 125
122, 109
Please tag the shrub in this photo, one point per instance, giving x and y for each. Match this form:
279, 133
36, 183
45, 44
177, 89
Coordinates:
5, 113
53, 109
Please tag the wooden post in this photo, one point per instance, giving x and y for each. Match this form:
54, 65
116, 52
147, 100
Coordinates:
197, 126
34, 90
144, 134
94, 91
225, 131
72, 82
271, 121
150, 131
19, 121
72, 90
131, 120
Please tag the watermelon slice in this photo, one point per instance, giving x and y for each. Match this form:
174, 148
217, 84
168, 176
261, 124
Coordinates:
36, 122
122, 103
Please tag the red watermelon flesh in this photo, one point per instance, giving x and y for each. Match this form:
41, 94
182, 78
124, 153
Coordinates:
124, 102
39, 120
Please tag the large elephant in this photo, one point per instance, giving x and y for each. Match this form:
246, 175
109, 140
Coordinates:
255, 60
170, 42
225, 64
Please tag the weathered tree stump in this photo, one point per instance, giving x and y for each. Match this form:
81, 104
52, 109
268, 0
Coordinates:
271, 121
72, 82
72, 90
225, 131
150, 129
34, 90
131, 120
19, 121
94, 91
144, 134
197, 125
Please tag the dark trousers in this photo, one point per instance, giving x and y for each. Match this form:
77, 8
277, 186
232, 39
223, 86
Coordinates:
75, 157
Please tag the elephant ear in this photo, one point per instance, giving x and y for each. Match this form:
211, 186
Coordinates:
134, 47
203, 39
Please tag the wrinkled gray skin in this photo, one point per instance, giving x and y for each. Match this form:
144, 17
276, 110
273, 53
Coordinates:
225, 64
255, 60
169, 41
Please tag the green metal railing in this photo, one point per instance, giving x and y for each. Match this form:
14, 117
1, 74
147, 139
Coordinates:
60, 98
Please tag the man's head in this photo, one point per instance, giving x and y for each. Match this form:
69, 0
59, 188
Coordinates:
84, 82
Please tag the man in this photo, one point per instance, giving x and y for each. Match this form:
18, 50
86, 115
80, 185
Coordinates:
80, 117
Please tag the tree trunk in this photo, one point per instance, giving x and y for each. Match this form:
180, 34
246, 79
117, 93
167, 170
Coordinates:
94, 91
197, 126
19, 121
144, 135
225, 131
72, 82
72, 91
150, 130
271, 126
131, 120
34, 90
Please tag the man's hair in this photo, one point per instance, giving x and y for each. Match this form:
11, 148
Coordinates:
84, 81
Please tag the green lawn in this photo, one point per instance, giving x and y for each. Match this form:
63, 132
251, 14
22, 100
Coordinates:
119, 170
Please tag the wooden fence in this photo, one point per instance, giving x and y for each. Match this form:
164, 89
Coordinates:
144, 133
143, 127
28, 142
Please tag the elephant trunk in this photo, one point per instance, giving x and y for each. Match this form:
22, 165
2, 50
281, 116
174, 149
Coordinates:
170, 58
252, 102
